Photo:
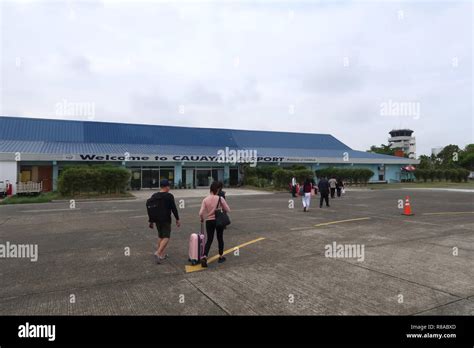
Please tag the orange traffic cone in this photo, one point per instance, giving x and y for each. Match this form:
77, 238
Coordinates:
407, 207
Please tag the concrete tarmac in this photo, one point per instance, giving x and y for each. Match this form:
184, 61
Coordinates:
98, 258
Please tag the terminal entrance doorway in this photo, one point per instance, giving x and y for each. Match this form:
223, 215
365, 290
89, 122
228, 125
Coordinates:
203, 177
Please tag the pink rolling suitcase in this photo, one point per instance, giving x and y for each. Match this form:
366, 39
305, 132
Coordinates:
197, 242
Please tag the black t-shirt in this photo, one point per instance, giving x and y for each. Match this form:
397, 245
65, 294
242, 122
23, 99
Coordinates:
323, 186
162, 205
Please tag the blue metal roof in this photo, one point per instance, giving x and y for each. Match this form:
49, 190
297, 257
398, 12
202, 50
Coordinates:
45, 136
30, 129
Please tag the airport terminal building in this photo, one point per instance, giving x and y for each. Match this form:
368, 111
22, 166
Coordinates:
36, 150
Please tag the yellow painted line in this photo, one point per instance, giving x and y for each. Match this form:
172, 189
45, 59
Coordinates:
301, 228
450, 213
340, 221
198, 267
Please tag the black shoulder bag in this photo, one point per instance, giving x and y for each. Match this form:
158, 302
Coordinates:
222, 219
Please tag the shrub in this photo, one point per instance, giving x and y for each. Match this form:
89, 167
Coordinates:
250, 171
301, 175
262, 182
418, 174
466, 174
251, 180
431, 174
266, 172
421, 174
365, 175
352, 175
100, 179
450, 174
297, 167
462, 174
439, 174
282, 177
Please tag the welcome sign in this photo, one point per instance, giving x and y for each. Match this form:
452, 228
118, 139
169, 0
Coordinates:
173, 158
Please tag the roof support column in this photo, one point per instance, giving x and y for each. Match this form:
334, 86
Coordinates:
55, 175
178, 168
226, 174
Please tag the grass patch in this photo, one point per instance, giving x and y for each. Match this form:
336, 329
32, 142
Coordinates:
41, 198
428, 184
50, 196
266, 188
95, 195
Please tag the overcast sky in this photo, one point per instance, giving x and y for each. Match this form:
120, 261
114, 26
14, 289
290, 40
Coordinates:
316, 66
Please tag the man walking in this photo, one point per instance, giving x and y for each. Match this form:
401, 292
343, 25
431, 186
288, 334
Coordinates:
332, 185
159, 207
323, 186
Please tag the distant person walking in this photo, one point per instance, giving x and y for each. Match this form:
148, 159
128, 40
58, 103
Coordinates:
339, 187
315, 187
323, 186
332, 185
306, 198
220, 191
159, 207
208, 208
293, 186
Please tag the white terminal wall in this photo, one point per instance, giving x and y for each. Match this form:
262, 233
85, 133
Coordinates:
9, 171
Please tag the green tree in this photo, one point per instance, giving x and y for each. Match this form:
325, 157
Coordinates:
449, 156
466, 157
382, 149
282, 177
426, 162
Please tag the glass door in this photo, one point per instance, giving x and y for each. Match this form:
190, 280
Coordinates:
136, 179
151, 178
203, 177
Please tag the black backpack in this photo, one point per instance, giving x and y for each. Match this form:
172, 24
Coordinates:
154, 205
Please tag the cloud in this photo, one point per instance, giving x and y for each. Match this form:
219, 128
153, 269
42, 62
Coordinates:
320, 67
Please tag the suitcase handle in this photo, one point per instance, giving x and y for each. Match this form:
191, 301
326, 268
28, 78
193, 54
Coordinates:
202, 227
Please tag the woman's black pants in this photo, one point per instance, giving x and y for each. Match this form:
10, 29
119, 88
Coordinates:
210, 228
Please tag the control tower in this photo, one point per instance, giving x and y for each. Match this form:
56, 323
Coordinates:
402, 139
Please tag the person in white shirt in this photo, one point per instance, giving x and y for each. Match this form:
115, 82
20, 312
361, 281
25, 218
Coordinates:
332, 186
293, 186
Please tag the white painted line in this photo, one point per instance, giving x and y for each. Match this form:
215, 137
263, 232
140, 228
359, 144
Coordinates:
450, 213
301, 228
116, 211
138, 217
48, 210
439, 189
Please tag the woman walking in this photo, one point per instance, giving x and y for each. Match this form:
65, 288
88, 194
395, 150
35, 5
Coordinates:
307, 188
208, 207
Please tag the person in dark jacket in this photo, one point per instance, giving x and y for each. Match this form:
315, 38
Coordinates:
323, 186
339, 186
164, 201
220, 192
